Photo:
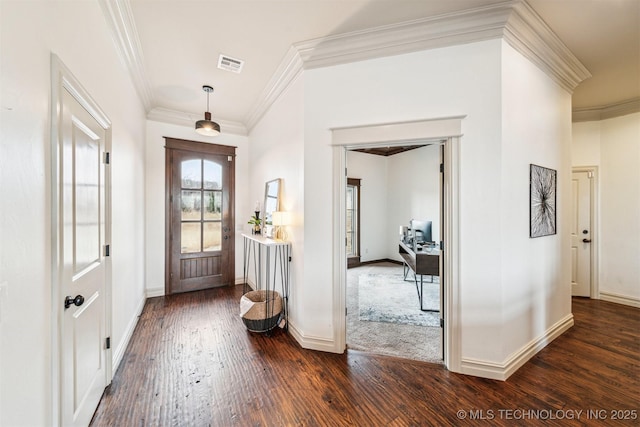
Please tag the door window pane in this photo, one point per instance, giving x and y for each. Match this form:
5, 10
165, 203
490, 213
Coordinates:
212, 175
212, 236
351, 215
212, 205
352, 220
190, 205
191, 173
190, 237
87, 200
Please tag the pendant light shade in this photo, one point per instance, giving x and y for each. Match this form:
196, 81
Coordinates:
207, 127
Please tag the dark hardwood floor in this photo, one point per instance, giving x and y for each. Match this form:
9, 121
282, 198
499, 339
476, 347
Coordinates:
191, 362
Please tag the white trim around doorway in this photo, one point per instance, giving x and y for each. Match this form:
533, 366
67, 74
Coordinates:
447, 129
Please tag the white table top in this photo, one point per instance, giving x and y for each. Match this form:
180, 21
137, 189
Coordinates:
265, 240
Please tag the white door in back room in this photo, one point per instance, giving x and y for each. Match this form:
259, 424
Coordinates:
581, 233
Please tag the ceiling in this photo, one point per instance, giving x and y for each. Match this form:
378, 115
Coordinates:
180, 41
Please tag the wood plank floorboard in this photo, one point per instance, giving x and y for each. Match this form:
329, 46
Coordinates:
191, 362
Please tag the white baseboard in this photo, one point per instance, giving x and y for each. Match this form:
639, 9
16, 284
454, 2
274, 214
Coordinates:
502, 371
313, 343
620, 299
118, 354
154, 292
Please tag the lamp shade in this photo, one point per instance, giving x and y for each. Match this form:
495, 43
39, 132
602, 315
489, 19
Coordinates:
279, 218
207, 127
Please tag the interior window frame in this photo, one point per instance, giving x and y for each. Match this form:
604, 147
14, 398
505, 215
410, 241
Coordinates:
354, 257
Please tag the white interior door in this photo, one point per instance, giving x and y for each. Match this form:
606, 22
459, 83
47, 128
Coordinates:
581, 234
443, 253
81, 263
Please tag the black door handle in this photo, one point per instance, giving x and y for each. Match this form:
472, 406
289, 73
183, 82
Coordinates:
77, 301
586, 240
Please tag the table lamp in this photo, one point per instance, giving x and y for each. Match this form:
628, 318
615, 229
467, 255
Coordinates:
280, 219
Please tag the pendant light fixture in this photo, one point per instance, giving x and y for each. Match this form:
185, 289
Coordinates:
206, 127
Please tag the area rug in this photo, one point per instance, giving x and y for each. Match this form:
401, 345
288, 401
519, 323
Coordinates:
391, 339
389, 298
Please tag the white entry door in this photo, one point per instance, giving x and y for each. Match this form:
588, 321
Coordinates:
82, 271
581, 234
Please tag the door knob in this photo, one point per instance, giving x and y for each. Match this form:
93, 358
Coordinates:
586, 240
77, 301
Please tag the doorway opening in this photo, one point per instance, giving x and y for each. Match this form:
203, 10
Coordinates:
397, 134
394, 294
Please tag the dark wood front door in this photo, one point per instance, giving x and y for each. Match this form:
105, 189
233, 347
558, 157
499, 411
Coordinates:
200, 250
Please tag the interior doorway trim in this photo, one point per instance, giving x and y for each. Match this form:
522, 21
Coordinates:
594, 227
447, 129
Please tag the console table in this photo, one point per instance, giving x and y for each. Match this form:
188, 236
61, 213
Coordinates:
421, 262
270, 260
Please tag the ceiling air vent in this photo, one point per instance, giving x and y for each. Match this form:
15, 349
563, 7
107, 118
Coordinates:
230, 64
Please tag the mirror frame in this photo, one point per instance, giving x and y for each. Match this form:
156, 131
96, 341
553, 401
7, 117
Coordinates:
267, 227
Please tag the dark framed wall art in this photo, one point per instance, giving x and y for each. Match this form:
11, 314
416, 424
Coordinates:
542, 198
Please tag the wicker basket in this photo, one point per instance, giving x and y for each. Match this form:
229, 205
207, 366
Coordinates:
266, 311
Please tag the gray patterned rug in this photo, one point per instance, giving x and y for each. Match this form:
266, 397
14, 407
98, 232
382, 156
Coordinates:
389, 298
392, 339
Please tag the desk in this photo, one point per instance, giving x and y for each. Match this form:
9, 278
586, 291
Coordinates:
270, 260
421, 263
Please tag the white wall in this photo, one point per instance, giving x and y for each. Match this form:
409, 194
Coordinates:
78, 34
613, 145
535, 280
276, 151
437, 83
395, 189
585, 144
372, 170
155, 195
504, 131
413, 193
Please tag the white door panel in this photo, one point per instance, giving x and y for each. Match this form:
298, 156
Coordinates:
87, 328
82, 263
581, 234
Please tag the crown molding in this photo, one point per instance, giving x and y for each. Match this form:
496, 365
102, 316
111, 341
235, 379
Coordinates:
513, 20
289, 69
120, 20
527, 33
165, 115
594, 114
119, 17
440, 31
467, 26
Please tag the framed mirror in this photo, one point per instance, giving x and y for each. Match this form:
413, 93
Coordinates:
271, 205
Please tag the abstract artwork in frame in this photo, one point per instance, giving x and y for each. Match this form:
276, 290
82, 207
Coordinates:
542, 197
